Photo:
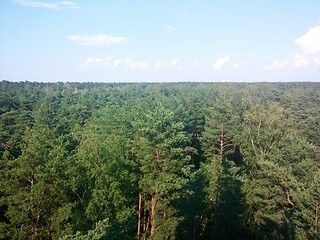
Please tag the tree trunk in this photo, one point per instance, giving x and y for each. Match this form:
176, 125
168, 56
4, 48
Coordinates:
153, 215
145, 218
194, 237
139, 215
221, 149
288, 199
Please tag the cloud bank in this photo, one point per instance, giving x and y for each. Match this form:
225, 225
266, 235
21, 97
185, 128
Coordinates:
132, 64
309, 54
96, 40
109, 62
310, 41
223, 62
53, 6
277, 64
220, 63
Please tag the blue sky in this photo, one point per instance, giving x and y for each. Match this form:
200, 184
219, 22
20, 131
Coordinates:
160, 41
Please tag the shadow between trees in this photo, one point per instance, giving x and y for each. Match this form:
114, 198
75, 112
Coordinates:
225, 218
228, 216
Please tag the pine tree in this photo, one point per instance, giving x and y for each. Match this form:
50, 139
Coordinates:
107, 185
36, 188
164, 170
225, 206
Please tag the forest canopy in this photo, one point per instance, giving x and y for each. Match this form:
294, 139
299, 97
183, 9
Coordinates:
159, 160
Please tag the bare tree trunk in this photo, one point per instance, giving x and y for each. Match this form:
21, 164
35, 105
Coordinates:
153, 214
31, 204
146, 227
288, 199
221, 149
139, 215
145, 222
146, 219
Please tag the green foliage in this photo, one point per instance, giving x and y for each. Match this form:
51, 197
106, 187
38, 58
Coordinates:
35, 192
159, 161
164, 168
99, 232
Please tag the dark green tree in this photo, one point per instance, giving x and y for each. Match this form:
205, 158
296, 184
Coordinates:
164, 170
35, 187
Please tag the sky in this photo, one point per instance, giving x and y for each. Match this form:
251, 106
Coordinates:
160, 41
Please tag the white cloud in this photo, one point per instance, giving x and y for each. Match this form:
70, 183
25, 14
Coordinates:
169, 29
300, 61
158, 65
129, 63
109, 62
239, 65
220, 63
225, 63
308, 56
94, 61
196, 63
54, 6
316, 61
310, 41
174, 62
96, 40
277, 64
132, 64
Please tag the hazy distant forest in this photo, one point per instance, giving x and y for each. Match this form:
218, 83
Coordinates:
159, 160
